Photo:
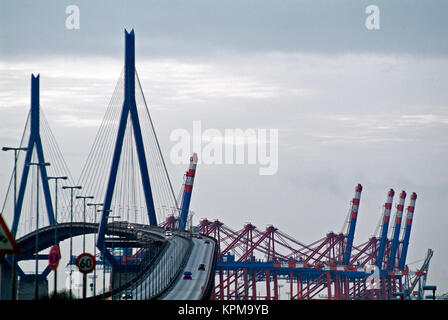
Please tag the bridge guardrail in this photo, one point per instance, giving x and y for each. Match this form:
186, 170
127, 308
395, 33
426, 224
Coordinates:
169, 274
211, 275
179, 269
168, 279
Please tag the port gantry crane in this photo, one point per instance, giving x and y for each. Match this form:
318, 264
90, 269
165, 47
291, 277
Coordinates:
420, 277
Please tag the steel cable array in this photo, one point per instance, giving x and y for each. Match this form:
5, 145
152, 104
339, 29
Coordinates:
57, 167
129, 199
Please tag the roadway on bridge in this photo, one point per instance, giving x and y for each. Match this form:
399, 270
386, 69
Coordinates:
157, 278
193, 289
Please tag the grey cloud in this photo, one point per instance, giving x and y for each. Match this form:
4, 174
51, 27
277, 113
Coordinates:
198, 28
352, 106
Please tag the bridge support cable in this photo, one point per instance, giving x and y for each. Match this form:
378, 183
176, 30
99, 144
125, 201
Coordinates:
41, 148
34, 143
8, 202
94, 172
155, 141
138, 187
58, 167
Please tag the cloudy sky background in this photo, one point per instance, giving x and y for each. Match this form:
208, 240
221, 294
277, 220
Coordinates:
351, 105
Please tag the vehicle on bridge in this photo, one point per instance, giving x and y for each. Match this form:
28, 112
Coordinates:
127, 296
187, 275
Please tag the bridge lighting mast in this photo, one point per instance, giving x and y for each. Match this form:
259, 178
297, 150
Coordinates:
56, 224
39, 165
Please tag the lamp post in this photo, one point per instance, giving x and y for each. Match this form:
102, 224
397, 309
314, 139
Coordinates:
112, 273
104, 260
84, 220
56, 227
71, 188
14, 263
36, 276
84, 276
94, 243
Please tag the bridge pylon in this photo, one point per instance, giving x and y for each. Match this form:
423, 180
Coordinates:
129, 110
34, 144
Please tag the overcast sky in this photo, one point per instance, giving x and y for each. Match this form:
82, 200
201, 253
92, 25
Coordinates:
352, 105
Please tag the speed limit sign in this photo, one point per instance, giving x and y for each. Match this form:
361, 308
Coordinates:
85, 262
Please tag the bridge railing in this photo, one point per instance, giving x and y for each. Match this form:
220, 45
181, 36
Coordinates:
211, 276
175, 272
158, 277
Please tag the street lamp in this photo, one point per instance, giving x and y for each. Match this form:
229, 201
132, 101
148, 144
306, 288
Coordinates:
84, 277
16, 150
36, 282
94, 243
56, 226
104, 259
113, 247
71, 188
84, 220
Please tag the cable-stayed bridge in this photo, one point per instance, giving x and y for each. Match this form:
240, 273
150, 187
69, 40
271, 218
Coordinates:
123, 209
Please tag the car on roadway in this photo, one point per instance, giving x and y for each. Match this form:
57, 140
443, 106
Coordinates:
187, 275
168, 234
201, 266
127, 296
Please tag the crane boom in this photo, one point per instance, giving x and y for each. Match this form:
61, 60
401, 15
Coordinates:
386, 218
421, 272
187, 191
352, 226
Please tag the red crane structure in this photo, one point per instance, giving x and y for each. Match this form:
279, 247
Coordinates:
251, 261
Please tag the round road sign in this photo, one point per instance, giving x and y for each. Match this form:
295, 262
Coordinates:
85, 262
53, 257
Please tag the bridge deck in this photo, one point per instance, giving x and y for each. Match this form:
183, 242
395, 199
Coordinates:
195, 289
